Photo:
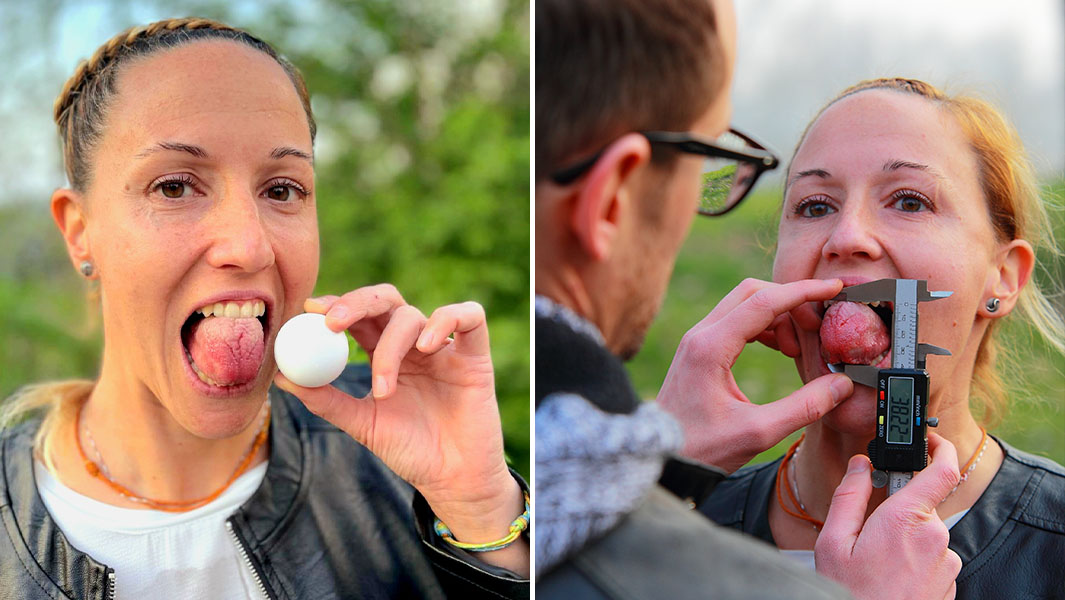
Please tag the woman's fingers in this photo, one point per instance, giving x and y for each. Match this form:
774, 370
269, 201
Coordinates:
363, 312
466, 321
352, 415
370, 301
396, 341
321, 304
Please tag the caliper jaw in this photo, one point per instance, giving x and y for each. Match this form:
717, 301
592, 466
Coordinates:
887, 290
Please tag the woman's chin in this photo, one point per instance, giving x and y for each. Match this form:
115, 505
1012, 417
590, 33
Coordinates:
855, 415
211, 417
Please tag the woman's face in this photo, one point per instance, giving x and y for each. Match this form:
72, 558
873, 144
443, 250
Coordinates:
885, 185
201, 193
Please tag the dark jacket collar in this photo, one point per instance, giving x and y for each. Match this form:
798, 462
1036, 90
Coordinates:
572, 361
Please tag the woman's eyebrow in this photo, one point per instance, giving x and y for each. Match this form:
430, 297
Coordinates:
196, 151
823, 174
283, 151
894, 165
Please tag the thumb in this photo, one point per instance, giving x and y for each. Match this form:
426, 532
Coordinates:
934, 483
846, 515
805, 405
352, 415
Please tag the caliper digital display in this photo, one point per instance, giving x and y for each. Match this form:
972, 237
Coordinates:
901, 442
900, 446
900, 410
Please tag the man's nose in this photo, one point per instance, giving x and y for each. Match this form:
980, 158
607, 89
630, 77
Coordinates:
241, 239
854, 233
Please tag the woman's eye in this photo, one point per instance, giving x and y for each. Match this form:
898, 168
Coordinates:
174, 188
284, 190
279, 193
814, 208
910, 201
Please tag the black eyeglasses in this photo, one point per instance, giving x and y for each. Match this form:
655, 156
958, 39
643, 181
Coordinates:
733, 163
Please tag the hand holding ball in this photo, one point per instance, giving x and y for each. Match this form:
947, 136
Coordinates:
308, 353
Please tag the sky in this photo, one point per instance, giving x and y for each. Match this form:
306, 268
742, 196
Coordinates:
793, 56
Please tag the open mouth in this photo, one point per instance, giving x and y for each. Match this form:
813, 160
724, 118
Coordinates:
856, 333
224, 342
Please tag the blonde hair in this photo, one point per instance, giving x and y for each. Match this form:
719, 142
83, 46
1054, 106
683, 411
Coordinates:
80, 112
1017, 212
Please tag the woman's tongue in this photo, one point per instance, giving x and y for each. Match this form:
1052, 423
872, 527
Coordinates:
852, 333
227, 350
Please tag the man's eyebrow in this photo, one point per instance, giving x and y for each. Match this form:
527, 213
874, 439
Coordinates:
823, 174
894, 165
196, 151
283, 151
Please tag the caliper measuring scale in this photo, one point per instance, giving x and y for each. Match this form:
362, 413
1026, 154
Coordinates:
900, 446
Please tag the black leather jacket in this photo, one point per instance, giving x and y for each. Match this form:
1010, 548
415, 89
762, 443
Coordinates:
1011, 543
330, 520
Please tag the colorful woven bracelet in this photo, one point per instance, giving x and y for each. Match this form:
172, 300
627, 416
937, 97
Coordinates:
517, 527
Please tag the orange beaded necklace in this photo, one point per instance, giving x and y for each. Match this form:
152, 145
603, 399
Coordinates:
799, 512
100, 473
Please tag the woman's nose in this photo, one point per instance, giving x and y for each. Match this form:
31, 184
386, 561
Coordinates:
241, 239
854, 234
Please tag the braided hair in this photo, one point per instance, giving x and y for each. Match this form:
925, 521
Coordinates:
81, 107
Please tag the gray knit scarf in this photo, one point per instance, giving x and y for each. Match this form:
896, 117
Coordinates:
592, 468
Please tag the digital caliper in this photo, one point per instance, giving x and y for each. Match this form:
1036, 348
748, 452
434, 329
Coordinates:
901, 443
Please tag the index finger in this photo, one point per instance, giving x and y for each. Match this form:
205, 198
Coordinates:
370, 301
935, 482
755, 313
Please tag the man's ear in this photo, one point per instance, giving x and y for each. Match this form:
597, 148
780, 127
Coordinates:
607, 195
1015, 263
69, 215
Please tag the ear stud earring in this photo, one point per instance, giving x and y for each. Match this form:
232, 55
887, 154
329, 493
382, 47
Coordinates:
992, 305
86, 268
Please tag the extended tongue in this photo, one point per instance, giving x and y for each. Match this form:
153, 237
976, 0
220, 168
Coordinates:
228, 351
853, 333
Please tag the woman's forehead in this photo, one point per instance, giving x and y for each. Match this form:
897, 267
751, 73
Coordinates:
880, 126
210, 84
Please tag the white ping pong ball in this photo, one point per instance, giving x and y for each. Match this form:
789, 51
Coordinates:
309, 353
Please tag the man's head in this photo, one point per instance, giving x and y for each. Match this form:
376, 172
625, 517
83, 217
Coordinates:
607, 69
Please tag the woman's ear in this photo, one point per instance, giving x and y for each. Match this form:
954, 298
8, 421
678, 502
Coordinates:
607, 194
69, 215
1007, 278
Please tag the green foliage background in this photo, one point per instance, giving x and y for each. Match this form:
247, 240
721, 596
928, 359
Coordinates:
422, 178
719, 253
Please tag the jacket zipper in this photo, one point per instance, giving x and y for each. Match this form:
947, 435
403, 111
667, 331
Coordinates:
110, 585
247, 560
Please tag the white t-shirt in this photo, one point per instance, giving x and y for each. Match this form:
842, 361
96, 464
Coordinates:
806, 557
157, 554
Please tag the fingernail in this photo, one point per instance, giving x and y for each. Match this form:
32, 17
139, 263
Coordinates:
858, 464
427, 340
338, 312
380, 386
841, 388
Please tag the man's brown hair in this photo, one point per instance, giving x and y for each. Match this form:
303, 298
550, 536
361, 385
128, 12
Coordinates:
608, 67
